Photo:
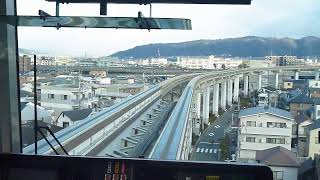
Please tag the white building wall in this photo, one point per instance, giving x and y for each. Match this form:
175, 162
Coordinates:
289, 173
261, 132
62, 119
316, 112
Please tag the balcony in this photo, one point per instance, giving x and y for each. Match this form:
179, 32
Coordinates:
266, 131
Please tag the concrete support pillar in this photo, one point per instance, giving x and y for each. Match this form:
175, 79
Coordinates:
206, 100
230, 89
9, 106
259, 81
316, 75
236, 89
246, 85
198, 106
223, 94
296, 75
215, 108
276, 80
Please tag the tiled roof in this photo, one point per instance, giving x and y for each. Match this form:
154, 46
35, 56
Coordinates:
265, 110
277, 156
302, 98
76, 115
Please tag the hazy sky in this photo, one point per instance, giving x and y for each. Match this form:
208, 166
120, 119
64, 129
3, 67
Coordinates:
268, 18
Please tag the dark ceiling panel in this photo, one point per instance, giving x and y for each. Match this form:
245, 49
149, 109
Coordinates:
159, 1
98, 22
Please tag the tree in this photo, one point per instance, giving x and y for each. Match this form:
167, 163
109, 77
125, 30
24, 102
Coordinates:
224, 146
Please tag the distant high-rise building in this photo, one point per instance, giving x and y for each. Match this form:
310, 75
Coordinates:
24, 64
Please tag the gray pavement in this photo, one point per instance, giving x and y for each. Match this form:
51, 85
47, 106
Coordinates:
207, 147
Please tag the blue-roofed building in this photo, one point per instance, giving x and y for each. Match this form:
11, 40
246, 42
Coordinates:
263, 128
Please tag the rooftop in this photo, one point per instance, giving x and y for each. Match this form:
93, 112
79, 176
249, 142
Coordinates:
76, 115
277, 156
265, 110
302, 98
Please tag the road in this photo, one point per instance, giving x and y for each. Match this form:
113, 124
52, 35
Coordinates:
207, 147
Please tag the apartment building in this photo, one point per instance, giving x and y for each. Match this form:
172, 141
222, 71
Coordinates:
210, 62
263, 128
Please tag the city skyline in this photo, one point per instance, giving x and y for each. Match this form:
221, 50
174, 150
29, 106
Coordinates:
296, 20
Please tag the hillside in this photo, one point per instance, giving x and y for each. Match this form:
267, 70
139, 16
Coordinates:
249, 46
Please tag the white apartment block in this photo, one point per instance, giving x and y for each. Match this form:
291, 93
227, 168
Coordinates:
263, 128
64, 97
207, 63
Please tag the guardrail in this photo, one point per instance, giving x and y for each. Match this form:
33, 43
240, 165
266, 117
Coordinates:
171, 142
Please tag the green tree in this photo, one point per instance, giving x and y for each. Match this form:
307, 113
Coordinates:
224, 146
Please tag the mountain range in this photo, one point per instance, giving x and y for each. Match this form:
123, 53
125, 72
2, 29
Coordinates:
249, 46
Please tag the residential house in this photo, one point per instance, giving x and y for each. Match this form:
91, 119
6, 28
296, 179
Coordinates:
284, 97
282, 162
27, 113
263, 128
68, 118
299, 104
